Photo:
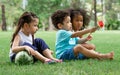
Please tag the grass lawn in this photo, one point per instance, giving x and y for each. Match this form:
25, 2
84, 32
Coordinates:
105, 41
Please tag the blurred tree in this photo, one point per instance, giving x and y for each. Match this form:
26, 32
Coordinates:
112, 10
95, 13
13, 10
3, 18
75, 3
44, 8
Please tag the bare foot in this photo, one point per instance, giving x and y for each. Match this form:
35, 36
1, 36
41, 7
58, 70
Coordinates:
111, 55
49, 61
107, 56
57, 60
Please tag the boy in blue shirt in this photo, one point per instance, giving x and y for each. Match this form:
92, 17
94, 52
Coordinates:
68, 45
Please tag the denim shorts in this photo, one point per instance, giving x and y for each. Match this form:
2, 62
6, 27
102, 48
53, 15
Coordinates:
69, 55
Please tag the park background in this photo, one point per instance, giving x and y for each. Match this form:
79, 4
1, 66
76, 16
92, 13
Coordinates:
106, 39
106, 10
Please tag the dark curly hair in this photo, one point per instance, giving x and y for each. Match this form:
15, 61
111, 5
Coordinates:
80, 11
58, 17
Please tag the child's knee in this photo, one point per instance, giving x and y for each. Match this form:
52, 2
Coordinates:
93, 47
77, 48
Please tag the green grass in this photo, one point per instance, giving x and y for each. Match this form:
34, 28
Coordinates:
105, 41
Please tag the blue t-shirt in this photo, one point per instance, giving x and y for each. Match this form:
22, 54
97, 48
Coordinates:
64, 42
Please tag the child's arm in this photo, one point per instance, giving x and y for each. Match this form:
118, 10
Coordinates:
82, 32
83, 40
16, 48
15, 45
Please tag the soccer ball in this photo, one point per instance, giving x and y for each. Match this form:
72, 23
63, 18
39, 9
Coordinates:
23, 58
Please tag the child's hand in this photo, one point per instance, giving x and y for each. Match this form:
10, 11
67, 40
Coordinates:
89, 37
29, 49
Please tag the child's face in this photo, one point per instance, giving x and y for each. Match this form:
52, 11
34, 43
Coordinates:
77, 22
33, 26
67, 23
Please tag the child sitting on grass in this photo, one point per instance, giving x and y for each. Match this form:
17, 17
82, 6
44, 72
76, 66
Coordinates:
23, 39
80, 19
67, 43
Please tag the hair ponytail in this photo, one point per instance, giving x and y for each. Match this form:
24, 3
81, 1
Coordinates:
26, 17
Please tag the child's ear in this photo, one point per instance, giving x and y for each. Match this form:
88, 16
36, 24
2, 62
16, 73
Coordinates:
25, 25
59, 25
